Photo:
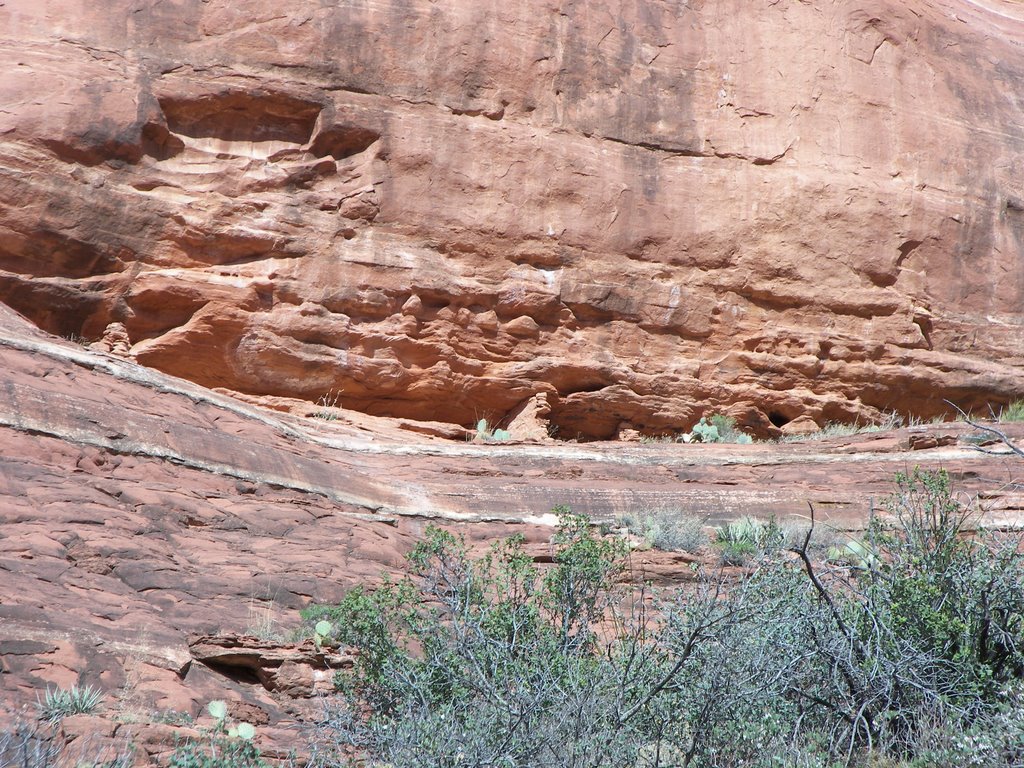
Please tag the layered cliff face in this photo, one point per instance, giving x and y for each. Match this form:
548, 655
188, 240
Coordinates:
146, 522
627, 213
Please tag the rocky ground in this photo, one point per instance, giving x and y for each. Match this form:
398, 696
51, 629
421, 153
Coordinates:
147, 523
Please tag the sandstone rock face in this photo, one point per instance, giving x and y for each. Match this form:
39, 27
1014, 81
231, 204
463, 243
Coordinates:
149, 526
642, 211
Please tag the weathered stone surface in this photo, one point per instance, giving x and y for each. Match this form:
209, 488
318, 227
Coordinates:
138, 511
932, 440
803, 425
293, 669
582, 219
641, 211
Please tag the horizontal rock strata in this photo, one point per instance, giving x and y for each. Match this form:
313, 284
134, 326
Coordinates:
641, 212
149, 527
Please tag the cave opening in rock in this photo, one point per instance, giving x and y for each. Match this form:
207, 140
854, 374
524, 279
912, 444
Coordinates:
242, 116
235, 672
777, 419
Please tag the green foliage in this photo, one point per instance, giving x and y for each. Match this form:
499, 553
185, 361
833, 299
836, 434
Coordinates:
216, 751
955, 597
727, 431
322, 631
362, 620
907, 651
59, 703
931, 615
736, 552
669, 530
481, 662
487, 434
853, 553
719, 428
742, 539
705, 432
224, 745
990, 742
584, 567
1012, 412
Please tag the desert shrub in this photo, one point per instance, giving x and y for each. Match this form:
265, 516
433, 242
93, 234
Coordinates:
171, 717
995, 741
485, 433
889, 420
852, 553
742, 539
669, 530
929, 622
719, 428
1012, 412
727, 431
59, 703
704, 432
736, 552
224, 745
912, 655
794, 532
329, 403
830, 430
25, 746
494, 662
216, 751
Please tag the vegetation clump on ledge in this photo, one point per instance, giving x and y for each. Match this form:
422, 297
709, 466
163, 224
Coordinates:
911, 654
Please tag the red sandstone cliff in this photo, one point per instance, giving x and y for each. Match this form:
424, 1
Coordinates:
636, 210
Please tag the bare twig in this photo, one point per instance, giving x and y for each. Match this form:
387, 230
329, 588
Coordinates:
846, 668
991, 430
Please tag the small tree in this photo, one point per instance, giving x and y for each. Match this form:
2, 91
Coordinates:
930, 624
497, 662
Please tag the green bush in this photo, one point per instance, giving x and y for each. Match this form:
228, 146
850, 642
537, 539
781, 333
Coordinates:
719, 428
488, 661
224, 745
216, 751
742, 539
59, 703
487, 434
736, 552
705, 432
912, 655
669, 530
928, 624
727, 431
1012, 412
